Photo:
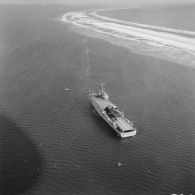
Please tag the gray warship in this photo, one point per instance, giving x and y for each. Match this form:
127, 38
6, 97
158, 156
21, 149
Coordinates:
110, 113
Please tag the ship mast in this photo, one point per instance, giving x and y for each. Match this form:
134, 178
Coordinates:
102, 93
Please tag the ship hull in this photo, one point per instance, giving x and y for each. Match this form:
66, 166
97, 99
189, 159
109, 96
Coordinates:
98, 108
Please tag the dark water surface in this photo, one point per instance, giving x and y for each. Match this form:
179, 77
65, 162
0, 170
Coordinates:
51, 140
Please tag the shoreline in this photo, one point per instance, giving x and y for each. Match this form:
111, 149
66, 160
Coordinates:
164, 43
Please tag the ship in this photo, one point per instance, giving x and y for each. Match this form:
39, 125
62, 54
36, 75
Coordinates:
111, 114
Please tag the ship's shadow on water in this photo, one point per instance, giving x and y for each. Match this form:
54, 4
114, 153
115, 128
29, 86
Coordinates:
21, 162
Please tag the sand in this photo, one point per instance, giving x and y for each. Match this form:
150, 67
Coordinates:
163, 43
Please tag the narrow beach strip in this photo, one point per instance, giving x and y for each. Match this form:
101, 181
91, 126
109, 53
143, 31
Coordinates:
152, 35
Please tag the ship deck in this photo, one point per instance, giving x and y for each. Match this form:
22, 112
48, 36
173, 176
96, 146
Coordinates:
103, 103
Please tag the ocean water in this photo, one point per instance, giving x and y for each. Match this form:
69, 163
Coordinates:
175, 15
52, 141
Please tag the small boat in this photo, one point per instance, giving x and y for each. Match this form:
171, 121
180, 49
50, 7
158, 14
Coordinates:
110, 113
119, 164
66, 89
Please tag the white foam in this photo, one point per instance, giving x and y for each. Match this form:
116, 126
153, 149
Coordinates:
153, 35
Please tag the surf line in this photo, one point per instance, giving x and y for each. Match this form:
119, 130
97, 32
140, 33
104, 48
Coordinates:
152, 35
